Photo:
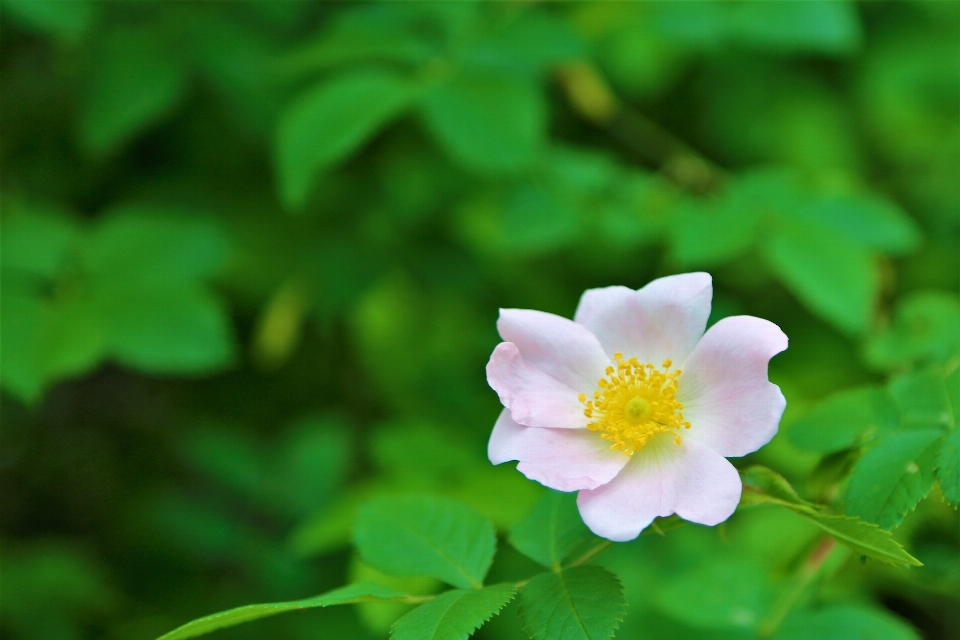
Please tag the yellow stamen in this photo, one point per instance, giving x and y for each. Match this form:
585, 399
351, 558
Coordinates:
634, 403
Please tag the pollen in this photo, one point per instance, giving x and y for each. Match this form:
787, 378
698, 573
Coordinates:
633, 403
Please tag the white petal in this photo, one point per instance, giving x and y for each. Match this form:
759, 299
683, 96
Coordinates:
663, 478
561, 459
534, 398
557, 346
662, 320
730, 404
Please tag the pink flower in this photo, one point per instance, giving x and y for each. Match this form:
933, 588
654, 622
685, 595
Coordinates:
633, 405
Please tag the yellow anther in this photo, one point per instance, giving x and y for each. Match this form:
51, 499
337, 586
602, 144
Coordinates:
634, 403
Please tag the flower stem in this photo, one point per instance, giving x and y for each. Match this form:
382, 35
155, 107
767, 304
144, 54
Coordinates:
810, 569
590, 554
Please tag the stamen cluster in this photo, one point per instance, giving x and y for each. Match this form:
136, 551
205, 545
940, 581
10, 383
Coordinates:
635, 402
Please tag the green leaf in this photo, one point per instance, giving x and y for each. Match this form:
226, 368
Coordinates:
716, 595
948, 466
845, 419
922, 398
430, 536
363, 592
863, 537
891, 478
137, 80
581, 603
154, 246
764, 486
834, 277
171, 330
45, 339
453, 615
146, 267
551, 531
866, 220
489, 123
330, 121
706, 234
924, 328
37, 242
67, 20
845, 622
827, 27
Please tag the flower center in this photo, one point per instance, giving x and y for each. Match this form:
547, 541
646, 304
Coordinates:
635, 402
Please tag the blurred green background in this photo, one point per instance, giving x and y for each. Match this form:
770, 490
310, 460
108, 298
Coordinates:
253, 254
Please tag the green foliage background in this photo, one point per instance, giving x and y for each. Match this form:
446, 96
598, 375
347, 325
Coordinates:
253, 253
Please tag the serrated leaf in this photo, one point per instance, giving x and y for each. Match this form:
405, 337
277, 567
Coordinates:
137, 80
764, 486
453, 615
429, 536
863, 537
948, 467
923, 399
716, 595
492, 123
891, 478
580, 603
845, 622
551, 531
329, 121
362, 592
844, 419
834, 277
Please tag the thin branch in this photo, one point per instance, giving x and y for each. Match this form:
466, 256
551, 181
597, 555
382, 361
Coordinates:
799, 583
592, 97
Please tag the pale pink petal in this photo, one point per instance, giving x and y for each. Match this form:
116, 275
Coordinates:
730, 404
557, 346
662, 320
561, 459
534, 398
663, 478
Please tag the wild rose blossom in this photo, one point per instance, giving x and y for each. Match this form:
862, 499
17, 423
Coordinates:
633, 405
